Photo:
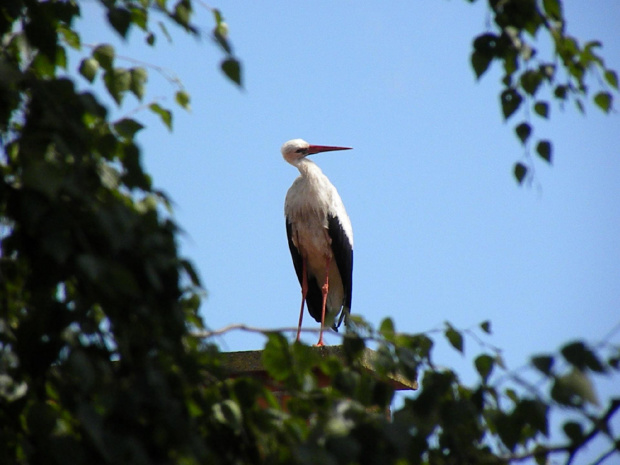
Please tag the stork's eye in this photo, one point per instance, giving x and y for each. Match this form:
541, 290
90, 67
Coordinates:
301, 150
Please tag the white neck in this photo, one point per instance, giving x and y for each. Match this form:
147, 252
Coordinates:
307, 168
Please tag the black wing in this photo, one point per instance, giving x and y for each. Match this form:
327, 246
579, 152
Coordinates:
314, 297
343, 253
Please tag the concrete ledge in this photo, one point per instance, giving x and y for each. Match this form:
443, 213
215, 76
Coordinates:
249, 363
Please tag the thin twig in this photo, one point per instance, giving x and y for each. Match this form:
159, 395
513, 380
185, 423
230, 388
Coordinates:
532, 454
267, 331
605, 340
251, 329
472, 332
605, 456
573, 447
166, 73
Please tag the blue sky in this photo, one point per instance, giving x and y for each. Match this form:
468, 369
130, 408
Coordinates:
442, 231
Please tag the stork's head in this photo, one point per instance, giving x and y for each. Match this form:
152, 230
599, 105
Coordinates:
296, 149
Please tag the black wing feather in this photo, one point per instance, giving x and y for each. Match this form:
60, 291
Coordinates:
295, 255
343, 253
314, 297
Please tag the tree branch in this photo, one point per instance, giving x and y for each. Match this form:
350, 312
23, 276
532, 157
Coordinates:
605, 456
600, 425
250, 329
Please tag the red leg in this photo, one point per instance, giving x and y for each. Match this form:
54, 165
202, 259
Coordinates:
304, 291
325, 290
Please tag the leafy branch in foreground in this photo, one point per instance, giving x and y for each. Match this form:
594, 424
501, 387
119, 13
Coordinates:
95, 301
513, 41
503, 417
121, 80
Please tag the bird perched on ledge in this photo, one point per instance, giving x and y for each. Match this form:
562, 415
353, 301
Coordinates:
320, 238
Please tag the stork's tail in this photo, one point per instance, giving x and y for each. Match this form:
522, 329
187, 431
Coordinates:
344, 316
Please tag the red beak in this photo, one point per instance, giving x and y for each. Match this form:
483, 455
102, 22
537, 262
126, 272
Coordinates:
324, 148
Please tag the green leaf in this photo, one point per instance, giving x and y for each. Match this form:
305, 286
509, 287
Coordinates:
568, 47
182, 98
454, 337
61, 57
560, 92
487, 44
228, 413
508, 431
574, 389
139, 17
104, 54
93, 424
486, 326
162, 26
40, 30
71, 38
480, 62
44, 177
191, 272
110, 177
592, 44
512, 395
11, 389
43, 66
573, 431
217, 14
127, 127
165, 115
346, 381
220, 32
484, 365
603, 100
543, 148
232, 69
40, 419
386, 329
523, 131
533, 413
541, 455
553, 9
276, 357
520, 171
511, 61
547, 71
182, 13
89, 68
530, 81
542, 109
612, 78
191, 304
352, 346
511, 100
543, 363
120, 19
134, 176
582, 357
532, 26
420, 343
92, 107
117, 81
139, 77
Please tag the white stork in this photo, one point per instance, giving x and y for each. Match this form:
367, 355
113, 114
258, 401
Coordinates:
320, 238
